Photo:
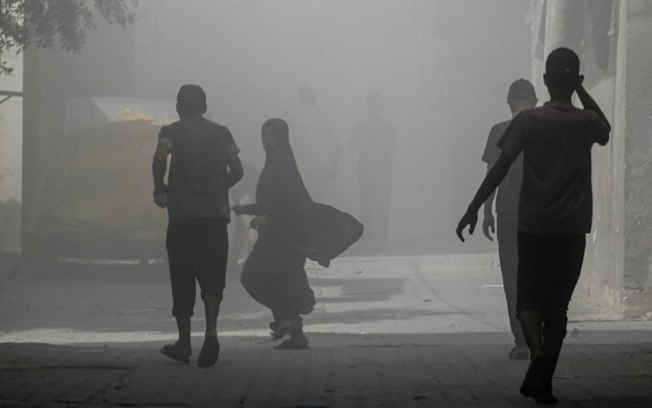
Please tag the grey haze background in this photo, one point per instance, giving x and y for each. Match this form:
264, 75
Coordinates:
443, 68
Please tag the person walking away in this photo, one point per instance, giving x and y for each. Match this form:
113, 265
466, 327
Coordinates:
555, 210
204, 163
521, 96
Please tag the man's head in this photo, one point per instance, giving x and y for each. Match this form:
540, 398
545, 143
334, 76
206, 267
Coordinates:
521, 96
191, 101
562, 70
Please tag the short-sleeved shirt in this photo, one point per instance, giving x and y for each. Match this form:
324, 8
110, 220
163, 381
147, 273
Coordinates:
197, 181
509, 190
556, 140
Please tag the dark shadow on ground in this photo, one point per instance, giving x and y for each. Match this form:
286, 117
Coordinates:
412, 370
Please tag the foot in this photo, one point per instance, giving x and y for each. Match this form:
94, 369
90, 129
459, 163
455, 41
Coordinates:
545, 397
178, 352
297, 341
276, 331
533, 381
209, 352
519, 353
324, 262
284, 327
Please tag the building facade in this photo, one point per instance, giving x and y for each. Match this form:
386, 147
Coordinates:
612, 39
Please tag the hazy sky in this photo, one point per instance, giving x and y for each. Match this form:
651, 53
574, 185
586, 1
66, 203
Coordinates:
253, 56
443, 68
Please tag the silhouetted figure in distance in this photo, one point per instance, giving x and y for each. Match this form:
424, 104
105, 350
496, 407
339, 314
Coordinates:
555, 210
521, 96
204, 164
317, 147
274, 273
374, 143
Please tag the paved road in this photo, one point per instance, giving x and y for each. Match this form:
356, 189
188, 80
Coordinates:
387, 332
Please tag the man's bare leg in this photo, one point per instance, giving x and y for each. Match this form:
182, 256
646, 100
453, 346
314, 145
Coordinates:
211, 347
212, 310
181, 350
533, 381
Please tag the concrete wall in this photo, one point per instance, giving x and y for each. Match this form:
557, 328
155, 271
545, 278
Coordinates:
618, 263
566, 26
637, 277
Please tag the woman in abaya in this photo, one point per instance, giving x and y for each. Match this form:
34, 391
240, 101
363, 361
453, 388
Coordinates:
274, 273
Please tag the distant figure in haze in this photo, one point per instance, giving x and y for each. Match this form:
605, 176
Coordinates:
374, 143
274, 273
318, 148
204, 164
520, 96
554, 213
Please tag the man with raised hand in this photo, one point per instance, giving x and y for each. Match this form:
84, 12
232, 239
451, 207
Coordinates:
555, 210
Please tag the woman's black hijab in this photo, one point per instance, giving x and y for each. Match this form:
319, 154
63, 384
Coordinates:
280, 191
319, 231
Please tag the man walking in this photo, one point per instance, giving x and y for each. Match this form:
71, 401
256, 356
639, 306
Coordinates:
204, 164
555, 211
521, 96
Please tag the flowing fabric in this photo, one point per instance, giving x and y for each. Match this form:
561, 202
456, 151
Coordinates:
297, 228
274, 273
329, 232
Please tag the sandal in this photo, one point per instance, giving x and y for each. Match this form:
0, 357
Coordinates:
209, 352
280, 330
297, 341
177, 352
545, 397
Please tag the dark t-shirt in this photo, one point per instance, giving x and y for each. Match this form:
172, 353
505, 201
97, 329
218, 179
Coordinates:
197, 182
509, 190
556, 141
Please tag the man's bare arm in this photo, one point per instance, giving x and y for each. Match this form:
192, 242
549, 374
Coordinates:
236, 172
493, 178
589, 103
159, 168
160, 164
489, 222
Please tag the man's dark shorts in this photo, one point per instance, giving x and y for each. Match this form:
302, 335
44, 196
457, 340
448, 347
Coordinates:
197, 249
549, 267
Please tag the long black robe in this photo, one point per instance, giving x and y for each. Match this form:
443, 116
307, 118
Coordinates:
274, 273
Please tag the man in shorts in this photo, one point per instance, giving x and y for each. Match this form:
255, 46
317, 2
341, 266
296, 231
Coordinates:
521, 96
555, 210
204, 164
